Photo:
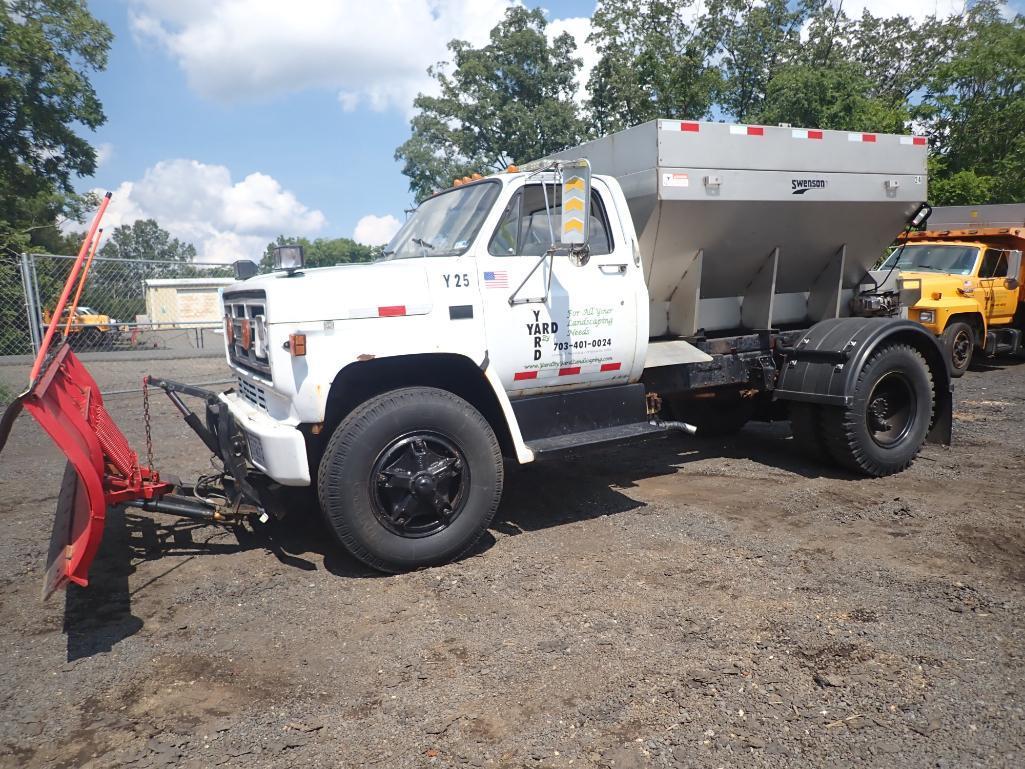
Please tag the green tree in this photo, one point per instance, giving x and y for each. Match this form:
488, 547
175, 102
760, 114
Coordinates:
897, 54
835, 97
752, 39
652, 64
145, 239
974, 108
508, 102
47, 50
138, 252
322, 252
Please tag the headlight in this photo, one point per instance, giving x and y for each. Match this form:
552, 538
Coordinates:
927, 316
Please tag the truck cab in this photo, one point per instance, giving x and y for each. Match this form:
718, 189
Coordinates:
966, 277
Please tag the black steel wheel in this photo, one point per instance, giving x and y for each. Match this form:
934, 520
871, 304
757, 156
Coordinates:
883, 429
411, 478
891, 411
959, 342
419, 484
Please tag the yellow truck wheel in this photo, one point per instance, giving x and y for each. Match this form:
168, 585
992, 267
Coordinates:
959, 342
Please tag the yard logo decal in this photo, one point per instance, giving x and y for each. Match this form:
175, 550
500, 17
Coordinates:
497, 279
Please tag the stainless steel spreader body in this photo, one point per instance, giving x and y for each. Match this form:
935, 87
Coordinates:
750, 227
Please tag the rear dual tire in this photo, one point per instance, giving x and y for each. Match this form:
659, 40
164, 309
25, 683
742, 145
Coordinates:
411, 478
884, 427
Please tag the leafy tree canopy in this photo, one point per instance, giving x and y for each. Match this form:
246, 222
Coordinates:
47, 50
145, 239
508, 102
974, 109
653, 64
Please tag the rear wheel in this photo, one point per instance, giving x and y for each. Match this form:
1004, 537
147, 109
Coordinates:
411, 478
959, 342
884, 428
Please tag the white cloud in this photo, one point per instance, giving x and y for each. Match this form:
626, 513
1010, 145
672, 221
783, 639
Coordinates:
201, 204
372, 53
374, 230
579, 27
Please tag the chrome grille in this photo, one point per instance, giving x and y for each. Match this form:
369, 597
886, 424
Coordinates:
240, 308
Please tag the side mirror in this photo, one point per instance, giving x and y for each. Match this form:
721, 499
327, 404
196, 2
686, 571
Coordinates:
1013, 269
576, 203
921, 216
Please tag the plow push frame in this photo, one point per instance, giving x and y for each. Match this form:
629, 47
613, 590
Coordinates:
102, 469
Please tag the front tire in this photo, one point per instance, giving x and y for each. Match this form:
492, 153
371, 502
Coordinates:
884, 428
411, 478
959, 342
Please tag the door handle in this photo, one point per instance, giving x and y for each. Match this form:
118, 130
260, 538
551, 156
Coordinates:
610, 269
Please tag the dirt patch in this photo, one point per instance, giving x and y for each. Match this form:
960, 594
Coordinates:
679, 603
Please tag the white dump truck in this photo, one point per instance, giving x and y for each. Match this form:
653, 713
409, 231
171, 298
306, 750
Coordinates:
676, 276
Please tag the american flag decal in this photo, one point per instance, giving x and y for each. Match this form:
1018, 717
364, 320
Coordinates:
497, 279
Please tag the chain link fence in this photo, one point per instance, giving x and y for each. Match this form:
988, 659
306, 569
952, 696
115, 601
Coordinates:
126, 304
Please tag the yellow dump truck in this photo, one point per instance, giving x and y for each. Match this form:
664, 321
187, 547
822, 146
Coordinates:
962, 279
89, 329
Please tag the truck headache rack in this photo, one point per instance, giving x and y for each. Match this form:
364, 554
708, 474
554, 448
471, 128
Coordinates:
102, 468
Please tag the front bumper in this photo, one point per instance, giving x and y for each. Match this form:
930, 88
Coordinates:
276, 448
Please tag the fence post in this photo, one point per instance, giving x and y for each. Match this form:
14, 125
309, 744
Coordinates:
31, 302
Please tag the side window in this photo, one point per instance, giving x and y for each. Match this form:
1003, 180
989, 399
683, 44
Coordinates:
503, 242
994, 264
525, 229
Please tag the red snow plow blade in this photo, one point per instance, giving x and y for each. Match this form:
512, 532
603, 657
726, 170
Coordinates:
102, 469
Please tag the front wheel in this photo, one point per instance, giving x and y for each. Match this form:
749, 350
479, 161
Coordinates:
959, 342
883, 429
411, 478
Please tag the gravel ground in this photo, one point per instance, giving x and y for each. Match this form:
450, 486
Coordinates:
677, 603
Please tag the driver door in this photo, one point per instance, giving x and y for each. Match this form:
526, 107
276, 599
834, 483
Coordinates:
1001, 301
570, 324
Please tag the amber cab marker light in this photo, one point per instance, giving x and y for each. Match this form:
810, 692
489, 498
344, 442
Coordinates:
937, 295
297, 345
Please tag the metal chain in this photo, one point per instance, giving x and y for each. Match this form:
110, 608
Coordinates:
145, 420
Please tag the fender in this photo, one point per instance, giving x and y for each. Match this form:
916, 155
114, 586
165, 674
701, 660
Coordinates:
823, 367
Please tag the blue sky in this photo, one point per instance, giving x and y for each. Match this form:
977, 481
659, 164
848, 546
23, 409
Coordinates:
332, 158
231, 121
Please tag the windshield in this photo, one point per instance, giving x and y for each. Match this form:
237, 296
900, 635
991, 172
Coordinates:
955, 260
446, 224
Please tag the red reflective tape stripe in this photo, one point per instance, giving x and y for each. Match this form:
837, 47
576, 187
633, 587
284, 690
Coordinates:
391, 312
610, 366
692, 127
569, 371
868, 137
920, 141
521, 375
753, 130
814, 134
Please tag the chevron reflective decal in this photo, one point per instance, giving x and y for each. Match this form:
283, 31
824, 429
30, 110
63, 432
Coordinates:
576, 202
